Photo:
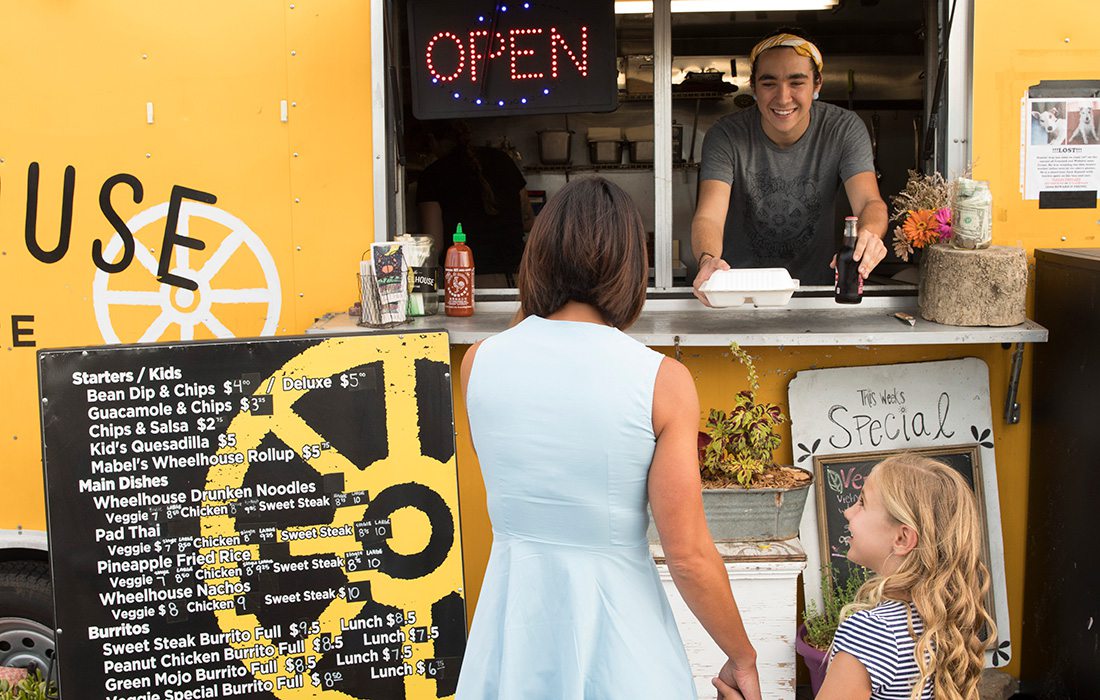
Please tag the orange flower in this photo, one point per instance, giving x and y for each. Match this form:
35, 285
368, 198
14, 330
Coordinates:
921, 227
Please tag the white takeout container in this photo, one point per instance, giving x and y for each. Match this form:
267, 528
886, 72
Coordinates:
765, 286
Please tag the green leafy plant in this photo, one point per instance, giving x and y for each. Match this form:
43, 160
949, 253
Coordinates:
740, 443
821, 625
33, 687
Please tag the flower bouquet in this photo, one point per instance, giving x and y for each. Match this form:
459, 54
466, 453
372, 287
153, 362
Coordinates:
923, 211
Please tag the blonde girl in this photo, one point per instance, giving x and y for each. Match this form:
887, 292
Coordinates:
918, 628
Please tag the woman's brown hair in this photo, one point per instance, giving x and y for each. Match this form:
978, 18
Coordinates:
587, 245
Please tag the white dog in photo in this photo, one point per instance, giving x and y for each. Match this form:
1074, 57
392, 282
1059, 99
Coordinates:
1086, 127
1054, 125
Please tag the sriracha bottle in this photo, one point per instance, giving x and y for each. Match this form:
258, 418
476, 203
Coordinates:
849, 284
458, 275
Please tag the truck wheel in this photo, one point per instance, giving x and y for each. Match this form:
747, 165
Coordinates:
26, 615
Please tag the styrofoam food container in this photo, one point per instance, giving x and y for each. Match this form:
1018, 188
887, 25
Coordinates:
764, 286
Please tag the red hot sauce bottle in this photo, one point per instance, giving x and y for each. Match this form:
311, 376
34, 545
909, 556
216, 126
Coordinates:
458, 274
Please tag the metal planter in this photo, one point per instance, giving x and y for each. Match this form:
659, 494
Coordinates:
751, 515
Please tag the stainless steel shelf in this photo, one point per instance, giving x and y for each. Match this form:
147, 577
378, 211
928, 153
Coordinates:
694, 95
591, 167
805, 322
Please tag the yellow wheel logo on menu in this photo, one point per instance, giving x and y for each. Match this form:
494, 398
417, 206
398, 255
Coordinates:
292, 656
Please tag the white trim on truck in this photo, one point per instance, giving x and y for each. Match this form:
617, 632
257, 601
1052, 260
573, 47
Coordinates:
23, 539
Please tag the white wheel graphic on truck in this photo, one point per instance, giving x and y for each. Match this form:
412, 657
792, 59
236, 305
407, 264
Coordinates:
178, 306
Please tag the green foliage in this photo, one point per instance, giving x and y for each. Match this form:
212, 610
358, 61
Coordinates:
821, 626
742, 441
33, 687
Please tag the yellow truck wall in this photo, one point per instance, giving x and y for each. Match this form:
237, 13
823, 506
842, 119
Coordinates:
293, 211
1015, 48
80, 81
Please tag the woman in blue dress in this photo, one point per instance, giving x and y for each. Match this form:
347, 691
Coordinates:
577, 428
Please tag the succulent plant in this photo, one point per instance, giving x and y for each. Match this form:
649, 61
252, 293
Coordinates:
739, 444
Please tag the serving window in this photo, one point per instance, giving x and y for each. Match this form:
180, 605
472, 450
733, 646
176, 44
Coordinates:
881, 58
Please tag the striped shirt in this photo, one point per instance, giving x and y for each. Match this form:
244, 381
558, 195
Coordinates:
879, 638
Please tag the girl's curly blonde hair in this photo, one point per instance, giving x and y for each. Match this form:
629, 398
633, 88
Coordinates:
943, 575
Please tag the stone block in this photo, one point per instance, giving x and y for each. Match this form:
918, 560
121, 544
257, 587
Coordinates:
997, 685
986, 287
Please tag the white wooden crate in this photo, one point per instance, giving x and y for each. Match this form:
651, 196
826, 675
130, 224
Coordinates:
763, 577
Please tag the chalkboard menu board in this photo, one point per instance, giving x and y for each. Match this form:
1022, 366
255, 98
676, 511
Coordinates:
269, 518
483, 59
840, 479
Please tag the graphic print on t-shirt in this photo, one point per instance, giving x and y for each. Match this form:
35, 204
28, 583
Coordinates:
782, 216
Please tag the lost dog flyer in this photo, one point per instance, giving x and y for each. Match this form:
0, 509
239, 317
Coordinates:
1059, 146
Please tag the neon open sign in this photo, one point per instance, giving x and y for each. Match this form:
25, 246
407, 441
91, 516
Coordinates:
523, 57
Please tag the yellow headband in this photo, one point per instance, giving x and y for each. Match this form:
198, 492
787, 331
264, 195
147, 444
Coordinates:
800, 46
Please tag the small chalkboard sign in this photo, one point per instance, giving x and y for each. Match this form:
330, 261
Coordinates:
840, 479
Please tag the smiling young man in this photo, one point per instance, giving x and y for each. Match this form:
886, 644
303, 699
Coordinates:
769, 176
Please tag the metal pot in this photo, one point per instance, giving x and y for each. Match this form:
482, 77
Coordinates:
751, 515
555, 146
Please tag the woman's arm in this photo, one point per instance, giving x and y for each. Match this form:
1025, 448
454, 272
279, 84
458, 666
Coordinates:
675, 494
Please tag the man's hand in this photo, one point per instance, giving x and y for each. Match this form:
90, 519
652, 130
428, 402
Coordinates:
874, 220
707, 268
736, 682
870, 250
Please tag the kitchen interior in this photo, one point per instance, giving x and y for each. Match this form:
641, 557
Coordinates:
878, 57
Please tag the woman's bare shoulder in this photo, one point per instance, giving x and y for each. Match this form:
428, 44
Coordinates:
467, 365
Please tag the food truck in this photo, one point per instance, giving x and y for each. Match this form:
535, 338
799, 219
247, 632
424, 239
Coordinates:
201, 171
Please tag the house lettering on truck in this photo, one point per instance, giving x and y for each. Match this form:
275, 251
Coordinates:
165, 176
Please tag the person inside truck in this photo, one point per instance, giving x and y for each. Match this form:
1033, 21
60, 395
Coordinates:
769, 176
484, 190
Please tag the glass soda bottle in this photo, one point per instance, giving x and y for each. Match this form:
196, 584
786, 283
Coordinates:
848, 283
458, 276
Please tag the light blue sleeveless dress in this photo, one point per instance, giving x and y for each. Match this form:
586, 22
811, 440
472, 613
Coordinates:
572, 607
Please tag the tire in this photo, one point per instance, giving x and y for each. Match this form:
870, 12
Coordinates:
26, 615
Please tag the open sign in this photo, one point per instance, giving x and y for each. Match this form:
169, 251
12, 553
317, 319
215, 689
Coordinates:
524, 57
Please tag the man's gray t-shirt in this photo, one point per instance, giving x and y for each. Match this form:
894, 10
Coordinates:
781, 202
